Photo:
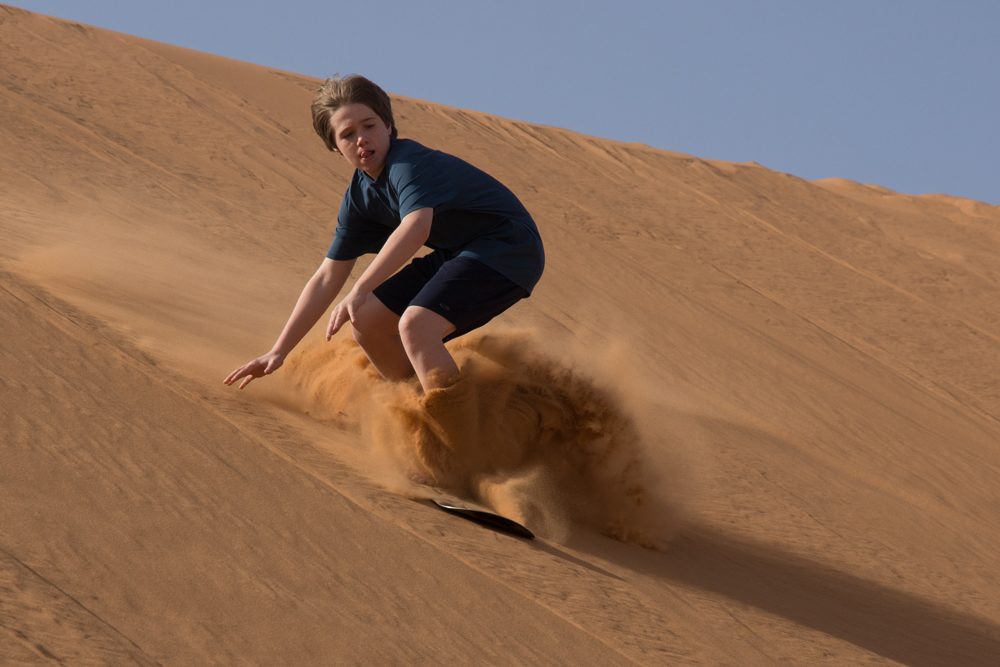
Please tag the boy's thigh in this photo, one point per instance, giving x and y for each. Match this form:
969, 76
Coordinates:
464, 291
399, 289
375, 318
468, 294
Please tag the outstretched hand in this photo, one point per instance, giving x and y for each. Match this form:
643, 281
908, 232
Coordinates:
345, 312
259, 367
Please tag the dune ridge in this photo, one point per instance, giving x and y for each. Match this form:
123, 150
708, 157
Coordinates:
819, 358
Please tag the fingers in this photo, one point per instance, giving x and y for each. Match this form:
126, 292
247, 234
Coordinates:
254, 369
337, 320
235, 375
329, 326
345, 311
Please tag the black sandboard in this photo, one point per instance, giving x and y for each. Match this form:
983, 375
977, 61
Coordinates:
485, 518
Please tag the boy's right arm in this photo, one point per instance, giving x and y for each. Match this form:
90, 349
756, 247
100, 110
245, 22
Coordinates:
315, 298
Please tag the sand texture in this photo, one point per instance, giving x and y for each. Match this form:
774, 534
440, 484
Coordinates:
754, 419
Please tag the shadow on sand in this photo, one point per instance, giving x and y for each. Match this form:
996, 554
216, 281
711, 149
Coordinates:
894, 624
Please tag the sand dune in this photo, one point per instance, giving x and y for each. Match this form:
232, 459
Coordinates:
805, 374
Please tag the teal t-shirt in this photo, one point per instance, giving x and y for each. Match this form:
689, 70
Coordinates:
475, 215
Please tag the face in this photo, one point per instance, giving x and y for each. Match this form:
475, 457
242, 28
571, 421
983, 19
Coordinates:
361, 137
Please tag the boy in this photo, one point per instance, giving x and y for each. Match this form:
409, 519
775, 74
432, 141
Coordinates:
487, 253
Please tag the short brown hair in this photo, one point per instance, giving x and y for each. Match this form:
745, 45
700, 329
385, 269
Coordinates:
338, 91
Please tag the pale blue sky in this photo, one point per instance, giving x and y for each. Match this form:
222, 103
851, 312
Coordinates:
905, 94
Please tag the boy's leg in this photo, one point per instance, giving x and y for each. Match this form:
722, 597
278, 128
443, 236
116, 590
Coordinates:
422, 332
431, 300
463, 294
376, 329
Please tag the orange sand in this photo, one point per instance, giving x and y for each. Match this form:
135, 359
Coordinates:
806, 373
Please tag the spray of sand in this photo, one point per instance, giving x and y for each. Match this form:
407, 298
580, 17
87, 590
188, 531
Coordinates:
533, 435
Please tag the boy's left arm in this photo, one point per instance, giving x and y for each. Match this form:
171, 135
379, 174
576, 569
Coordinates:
402, 244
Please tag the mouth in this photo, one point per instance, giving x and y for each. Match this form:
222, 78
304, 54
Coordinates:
364, 155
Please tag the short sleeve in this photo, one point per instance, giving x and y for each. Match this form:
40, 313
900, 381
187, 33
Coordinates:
352, 243
425, 183
355, 235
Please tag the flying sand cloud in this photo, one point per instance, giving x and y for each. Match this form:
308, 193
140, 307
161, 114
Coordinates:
525, 433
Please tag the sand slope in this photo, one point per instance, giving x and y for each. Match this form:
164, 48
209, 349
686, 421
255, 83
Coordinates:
818, 363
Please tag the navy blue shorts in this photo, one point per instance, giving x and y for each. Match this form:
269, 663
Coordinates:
462, 290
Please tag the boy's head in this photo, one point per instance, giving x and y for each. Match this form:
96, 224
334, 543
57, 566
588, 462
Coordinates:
337, 92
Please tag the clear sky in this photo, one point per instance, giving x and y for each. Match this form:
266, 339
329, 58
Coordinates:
903, 93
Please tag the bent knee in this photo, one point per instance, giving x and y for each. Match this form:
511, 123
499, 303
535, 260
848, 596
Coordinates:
418, 325
409, 325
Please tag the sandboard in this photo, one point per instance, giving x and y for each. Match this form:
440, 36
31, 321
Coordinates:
484, 518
